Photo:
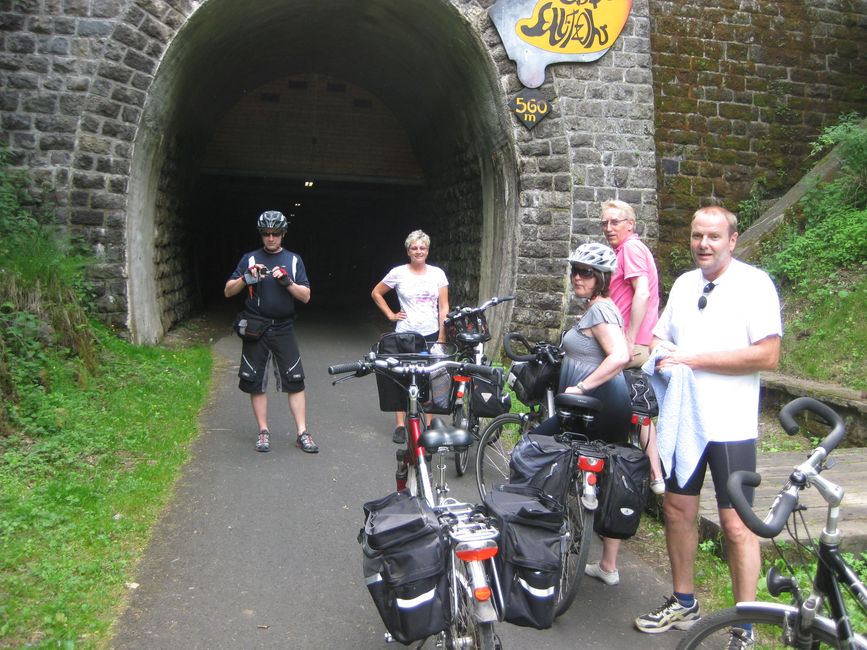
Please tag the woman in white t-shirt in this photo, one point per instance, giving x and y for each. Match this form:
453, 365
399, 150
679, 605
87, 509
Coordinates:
423, 292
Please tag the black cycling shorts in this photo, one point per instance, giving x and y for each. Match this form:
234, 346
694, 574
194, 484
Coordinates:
278, 350
723, 459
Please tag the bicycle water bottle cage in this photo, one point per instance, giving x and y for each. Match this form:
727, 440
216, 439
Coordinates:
439, 435
576, 412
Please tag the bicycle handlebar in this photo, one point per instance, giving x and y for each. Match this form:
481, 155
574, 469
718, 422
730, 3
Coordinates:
539, 352
395, 366
343, 368
462, 311
787, 500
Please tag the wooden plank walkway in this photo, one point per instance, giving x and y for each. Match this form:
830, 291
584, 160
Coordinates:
849, 472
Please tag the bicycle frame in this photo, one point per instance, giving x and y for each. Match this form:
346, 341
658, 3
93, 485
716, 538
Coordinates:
413, 455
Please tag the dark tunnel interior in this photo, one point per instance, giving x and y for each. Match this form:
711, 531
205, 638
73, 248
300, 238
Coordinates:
393, 110
348, 233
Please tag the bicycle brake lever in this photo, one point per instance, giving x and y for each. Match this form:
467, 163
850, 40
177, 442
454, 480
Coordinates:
342, 379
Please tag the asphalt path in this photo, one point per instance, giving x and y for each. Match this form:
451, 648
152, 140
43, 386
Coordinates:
259, 550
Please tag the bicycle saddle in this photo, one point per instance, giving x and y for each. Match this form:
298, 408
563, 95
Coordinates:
472, 338
570, 404
440, 435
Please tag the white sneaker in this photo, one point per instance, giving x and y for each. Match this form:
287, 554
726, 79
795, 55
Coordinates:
657, 486
610, 578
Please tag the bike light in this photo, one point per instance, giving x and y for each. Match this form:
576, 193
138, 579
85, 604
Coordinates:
635, 418
590, 463
591, 479
473, 552
460, 379
645, 422
482, 593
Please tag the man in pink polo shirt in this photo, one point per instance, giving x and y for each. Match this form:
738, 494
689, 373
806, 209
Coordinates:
635, 291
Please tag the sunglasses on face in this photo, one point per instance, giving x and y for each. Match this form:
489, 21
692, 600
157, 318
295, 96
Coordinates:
272, 234
582, 272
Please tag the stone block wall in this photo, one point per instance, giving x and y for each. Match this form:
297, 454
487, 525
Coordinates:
741, 89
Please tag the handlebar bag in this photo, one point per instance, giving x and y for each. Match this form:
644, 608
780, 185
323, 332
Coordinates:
392, 390
530, 380
487, 399
641, 392
542, 462
529, 560
404, 565
623, 489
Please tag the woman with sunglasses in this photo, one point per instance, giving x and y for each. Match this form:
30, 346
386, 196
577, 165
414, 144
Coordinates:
596, 353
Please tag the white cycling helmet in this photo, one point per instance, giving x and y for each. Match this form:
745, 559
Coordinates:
271, 219
596, 256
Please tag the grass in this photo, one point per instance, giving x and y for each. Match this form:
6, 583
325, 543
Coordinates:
78, 501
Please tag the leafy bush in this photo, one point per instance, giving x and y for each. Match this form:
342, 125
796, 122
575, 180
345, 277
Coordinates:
40, 302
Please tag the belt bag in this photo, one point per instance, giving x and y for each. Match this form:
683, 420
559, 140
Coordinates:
251, 327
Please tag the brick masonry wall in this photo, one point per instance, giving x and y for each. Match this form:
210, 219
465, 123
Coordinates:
738, 88
741, 88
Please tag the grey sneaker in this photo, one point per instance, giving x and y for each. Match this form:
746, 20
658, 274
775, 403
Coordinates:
399, 435
610, 578
671, 614
740, 639
306, 444
263, 442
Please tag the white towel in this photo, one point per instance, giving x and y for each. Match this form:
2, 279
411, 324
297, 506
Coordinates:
680, 431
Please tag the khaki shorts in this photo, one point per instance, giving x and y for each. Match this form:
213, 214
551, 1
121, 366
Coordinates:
640, 354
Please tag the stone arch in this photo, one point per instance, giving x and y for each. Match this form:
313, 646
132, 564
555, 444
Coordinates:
167, 76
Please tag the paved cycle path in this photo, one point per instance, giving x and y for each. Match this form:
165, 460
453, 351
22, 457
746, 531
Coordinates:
259, 550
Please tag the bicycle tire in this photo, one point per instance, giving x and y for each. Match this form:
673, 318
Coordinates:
579, 522
464, 631
494, 450
768, 621
462, 458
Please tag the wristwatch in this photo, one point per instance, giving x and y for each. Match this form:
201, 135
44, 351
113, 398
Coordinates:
580, 386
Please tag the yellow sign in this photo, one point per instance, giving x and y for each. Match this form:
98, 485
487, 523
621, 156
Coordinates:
574, 26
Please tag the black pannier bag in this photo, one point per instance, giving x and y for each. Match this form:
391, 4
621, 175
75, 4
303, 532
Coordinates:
487, 398
529, 561
400, 344
543, 463
623, 490
404, 566
641, 392
530, 380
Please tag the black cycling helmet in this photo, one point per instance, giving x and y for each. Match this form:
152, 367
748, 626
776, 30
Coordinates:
271, 220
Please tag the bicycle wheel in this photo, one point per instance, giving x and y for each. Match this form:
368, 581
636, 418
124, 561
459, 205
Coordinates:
461, 421
768, 620
465, 631
495, 449
579, 524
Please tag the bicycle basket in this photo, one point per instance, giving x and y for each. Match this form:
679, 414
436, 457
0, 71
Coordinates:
467, 329
404, 346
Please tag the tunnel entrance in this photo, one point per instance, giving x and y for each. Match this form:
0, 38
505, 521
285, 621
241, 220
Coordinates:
250, 106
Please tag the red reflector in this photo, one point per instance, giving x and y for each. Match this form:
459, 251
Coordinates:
482, 593
635, 418
590, 464
459, 393
591, 479
645, 422
474, 554
460, 379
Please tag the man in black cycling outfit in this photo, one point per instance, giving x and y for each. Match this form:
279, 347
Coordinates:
273, 279
720, 327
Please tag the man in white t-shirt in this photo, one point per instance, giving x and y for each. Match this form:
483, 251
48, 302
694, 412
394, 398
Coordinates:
722, 321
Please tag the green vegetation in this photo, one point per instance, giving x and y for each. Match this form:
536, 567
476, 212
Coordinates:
93, 432
818, 260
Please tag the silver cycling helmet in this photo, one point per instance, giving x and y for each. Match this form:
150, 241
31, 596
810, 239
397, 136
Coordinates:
596, 256
271, 219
